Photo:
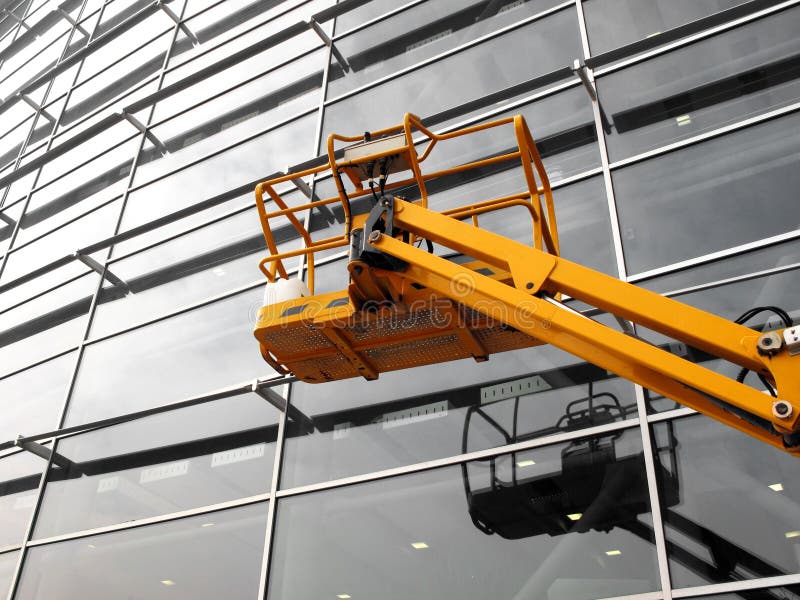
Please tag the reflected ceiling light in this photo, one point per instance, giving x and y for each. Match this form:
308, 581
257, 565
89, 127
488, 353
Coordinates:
343, 596
792, 534
526, 463
776, 487
613, 552
92, 546
167, 582
218, 271
207, 525
574, 516
683, 120
419, 545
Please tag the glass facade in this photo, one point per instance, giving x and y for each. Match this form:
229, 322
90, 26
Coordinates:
147, 451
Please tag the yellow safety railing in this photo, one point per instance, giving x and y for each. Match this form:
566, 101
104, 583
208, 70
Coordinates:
536, 199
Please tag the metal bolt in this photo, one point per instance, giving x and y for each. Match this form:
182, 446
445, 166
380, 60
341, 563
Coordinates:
769, 343
529, 285
782, 409
374, 236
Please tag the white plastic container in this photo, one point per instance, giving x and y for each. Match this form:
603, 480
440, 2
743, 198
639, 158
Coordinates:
282, 290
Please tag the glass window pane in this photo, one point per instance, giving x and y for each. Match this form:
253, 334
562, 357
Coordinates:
726, 78
614, 23
196, 266
31, 400
779, 255
442, 410
233, 115
726, 479
8, 563
129, 71
789, 592
46, 325
246, 67
561, 124
110, 151
221, 172
148, 29
555, 532
711, 196
470, 74
167, 560
95, 226
228, 203
187, 458
420, 33
19, 486
193, 353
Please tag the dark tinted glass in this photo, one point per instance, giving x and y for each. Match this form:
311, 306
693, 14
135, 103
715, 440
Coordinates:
777, 256
183, 459
211, 556
728, 77
566, 521
736, 516
419, 33
353, 434
468, 75
614, 23
728, 191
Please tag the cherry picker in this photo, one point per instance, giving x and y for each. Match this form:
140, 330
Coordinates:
405, 305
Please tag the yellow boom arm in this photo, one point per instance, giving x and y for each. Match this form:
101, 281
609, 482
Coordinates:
405, 306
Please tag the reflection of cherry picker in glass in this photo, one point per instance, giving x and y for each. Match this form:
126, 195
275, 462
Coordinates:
594, 487
406, 306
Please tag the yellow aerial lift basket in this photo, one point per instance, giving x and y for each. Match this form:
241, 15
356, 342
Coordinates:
383, 322
403, 305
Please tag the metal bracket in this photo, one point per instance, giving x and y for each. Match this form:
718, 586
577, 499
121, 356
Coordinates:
326, 39
147, 133
15, 18
581, 70
65, 15
304, 188
44, 452
36, 107
98, 268
182, 26
7, 220
279, 402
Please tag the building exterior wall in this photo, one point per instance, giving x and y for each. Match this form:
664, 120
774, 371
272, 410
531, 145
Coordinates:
131, 137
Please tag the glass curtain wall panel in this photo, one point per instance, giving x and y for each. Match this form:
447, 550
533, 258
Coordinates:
217, 555
711, 196
170, 462
30, 401
737, 517
714, 82
512, 526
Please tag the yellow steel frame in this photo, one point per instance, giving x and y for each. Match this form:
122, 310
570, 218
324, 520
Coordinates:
512, 283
